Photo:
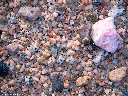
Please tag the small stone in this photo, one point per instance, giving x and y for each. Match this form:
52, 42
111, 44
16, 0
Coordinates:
57, 84
45, 85
91, 18
31, 13
107, 91
81, 81
66, 85
70, 60
117, 74
27, 77
12, 82
96, 2
55, 14
78, 67
12, 48
88, 68
70, 53
54, 51
44, 71
89, 62
101, 83
4, 69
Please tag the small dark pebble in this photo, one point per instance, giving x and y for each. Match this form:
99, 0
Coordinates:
4, 69
92, 18
48, 93
97, 85
36, 49
96, 2
92, 44
57, 83
101, 90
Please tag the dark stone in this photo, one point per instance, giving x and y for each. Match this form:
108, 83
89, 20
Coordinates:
4, 69
92, 44
92, 18
101, 90
96, 2
57, 83
36, 49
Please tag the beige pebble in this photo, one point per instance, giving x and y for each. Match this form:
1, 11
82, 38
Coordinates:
66, 85
101, 17
118, 74
49, 0
24, 88
85, 73
18, 66
83, 80
89, 62
22, 68
44, 71
88, 68
107, 91
38, 75
46, 53
45, 85
12, 82
78, 67
70, 52
35, 78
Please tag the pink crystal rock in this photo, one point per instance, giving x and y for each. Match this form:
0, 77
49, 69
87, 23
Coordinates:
105, 36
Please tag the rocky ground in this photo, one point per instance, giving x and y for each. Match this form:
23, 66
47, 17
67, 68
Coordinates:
46, 48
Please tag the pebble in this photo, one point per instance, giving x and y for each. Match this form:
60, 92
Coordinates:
78, 67
45, 85
55, 14
118, 74
107, 91
35, 78
70, 53
88, 68
81, 81
57, 83
66, 84
70, 60
44, 71
89, 62
54, 51
12, 48
12, 82
4, 69
31, 13
96, 2
27, 77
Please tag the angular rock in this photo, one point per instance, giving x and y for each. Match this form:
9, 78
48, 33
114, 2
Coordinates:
81, 81
31, 13
12, 48
4, 69
105, 36
117, 74
57, 83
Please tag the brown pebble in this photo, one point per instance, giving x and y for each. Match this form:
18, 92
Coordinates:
66, 85
101, 83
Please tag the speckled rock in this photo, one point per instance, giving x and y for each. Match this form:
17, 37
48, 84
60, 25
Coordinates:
12, 48
117, 74
31, 13
57, 84
81, 81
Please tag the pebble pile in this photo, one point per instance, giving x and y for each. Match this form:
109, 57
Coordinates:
63, 47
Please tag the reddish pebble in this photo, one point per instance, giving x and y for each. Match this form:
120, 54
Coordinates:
101, 83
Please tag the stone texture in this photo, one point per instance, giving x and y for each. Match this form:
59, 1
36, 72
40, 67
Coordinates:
117, 74
31, 13
12, 48
105, 36
81, 81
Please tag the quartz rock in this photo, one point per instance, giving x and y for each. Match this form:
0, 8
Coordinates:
117, 74
31, 13
105, 36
